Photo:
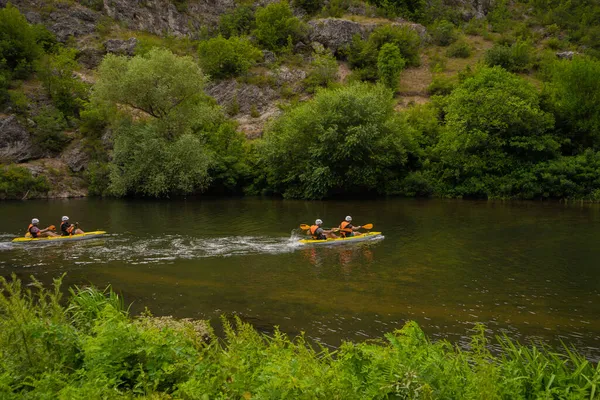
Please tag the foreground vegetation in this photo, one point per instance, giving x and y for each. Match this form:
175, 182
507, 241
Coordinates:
519, 124
90, 347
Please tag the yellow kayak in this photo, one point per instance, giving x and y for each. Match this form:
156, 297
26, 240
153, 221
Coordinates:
358, 238
83, 236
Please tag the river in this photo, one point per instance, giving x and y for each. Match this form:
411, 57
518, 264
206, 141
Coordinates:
530, 270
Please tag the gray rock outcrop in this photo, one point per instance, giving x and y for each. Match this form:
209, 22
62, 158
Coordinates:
16, 144
121, 47
75, 157
565, 55
162, 16
334, 33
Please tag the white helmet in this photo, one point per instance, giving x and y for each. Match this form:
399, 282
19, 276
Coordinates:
318, 222
349, 218
65, 218
35, 221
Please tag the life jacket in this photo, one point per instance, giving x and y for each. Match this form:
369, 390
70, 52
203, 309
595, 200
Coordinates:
313, 230
344, 230
66, 228
29, 231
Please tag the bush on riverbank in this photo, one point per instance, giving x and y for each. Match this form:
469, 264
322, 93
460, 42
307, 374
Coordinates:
89, 347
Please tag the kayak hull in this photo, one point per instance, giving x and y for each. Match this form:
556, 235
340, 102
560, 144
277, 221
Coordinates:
53, 239
353, 239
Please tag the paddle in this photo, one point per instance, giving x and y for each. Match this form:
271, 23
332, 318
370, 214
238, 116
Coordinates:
51, 227
366, 226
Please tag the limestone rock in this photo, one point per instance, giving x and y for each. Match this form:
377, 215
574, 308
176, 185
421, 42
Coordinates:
334, 33
75, 157
163, 17
121, 47
90, 57
16, 144
566, 55
73, 21
269, 57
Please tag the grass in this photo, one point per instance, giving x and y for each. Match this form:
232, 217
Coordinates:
88, 346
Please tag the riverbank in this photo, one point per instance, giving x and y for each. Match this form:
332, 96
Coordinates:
89, 346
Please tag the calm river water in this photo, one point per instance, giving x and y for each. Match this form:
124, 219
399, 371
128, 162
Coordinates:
530, 270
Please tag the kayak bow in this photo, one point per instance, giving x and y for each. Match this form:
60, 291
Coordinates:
83, 236
358, 238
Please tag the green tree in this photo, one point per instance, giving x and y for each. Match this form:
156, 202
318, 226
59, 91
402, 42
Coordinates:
494, 125
574, 96
323, 71
56, 73
345, 140
49, 131
443, 33
275, 23
363, 54
389, 65
18, 44
144, 163
237, 22
222, 58
157, 85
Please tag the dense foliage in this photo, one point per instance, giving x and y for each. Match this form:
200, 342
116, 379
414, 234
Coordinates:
18, 43
17, 183
277, 27
345, 140
222, 58
89, 347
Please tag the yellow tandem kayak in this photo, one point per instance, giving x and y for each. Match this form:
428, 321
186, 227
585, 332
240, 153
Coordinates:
357, 238
83, 236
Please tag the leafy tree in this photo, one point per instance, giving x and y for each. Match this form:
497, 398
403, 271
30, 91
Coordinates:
345, 140
363, 54
49, 131
574, 96
443, 33
222, 58
16, 182
514, 58
18, 45
237, 22
56, 73
157, 85
323, 71
275, 23
389, 65
145, 164
494, 125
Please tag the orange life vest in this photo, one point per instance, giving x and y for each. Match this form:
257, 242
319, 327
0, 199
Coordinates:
343, 230
313, 230
29, 230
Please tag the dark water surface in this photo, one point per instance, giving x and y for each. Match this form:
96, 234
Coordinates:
531, 270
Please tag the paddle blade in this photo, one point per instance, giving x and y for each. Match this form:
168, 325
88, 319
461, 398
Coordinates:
304, 227
368, 226
52, 227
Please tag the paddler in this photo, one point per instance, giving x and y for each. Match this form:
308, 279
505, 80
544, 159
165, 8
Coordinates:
319, 233
36, 232
68, 229
346, 227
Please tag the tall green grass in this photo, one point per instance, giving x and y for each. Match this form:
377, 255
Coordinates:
89, 347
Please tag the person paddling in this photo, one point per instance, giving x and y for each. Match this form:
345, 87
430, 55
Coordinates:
319, 233
36, 232
68, 229
347, 229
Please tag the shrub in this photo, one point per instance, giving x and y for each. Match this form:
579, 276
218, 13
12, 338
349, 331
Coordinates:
459, 49
514, 58
97, 176
363, 54
441, 85
67, 92
323, 71
19, 101
222, 58
310, 6
573, 94
389, 65
344, 140
494, 125
49, 131
18, 46
237, 22
443, 33
17, 182
276, 26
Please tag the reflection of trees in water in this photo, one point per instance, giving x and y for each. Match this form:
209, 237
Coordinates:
346, 257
